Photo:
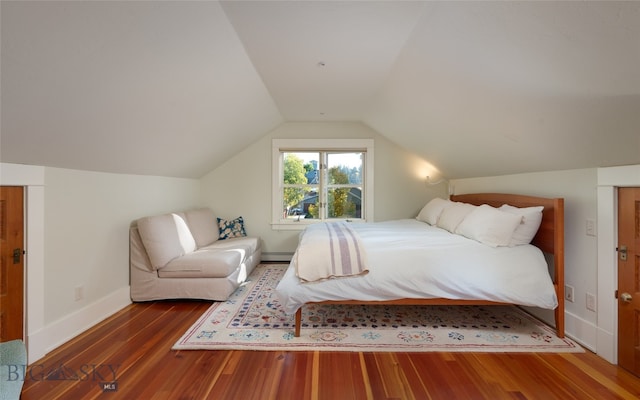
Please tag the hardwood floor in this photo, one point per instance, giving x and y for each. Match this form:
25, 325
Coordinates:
129, 356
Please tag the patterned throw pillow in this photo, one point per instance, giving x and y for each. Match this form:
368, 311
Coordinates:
231, 228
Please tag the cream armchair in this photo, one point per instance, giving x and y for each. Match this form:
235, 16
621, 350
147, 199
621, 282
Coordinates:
181, 255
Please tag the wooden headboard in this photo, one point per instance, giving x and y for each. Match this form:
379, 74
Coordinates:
550, 236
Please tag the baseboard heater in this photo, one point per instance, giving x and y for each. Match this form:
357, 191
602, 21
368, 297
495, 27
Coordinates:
278, 256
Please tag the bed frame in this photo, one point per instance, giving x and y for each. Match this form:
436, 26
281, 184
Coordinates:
550, 239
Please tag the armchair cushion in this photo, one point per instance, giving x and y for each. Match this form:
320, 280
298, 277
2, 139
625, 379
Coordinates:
165, 237
204, 226
203, 264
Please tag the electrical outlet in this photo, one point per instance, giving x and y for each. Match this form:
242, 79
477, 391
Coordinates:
591, 227
79, 293
568, 293
591, 302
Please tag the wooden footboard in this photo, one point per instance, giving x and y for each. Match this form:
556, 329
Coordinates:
550, 239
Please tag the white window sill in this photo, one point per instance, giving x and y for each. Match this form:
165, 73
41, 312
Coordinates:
302, 224
292, 226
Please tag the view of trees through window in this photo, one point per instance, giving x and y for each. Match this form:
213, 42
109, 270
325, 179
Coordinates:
321, 185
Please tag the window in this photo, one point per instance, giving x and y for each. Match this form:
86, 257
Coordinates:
321, 180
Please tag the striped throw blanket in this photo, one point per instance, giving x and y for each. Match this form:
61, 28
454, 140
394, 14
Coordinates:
329, 250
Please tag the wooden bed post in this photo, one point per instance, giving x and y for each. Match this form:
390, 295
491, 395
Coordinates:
298, 322
558, 264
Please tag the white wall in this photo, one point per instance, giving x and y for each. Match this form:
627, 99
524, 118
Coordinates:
87, 217
82, 219
579, 190
242, 186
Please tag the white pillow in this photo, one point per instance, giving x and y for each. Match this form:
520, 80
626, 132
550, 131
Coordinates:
454, 214
489, 225
531, 219
432, 210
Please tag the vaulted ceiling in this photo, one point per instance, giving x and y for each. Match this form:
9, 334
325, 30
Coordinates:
176, 88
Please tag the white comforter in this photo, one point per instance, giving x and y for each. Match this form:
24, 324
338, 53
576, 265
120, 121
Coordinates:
411, 259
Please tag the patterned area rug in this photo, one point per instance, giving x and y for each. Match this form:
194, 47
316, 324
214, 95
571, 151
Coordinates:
252, 319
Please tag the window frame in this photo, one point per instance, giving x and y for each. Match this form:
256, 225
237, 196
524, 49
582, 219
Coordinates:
366, 146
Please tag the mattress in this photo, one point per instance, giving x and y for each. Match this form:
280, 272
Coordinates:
411, 259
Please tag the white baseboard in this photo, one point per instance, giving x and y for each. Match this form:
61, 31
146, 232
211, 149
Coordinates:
608, 346
276, 256
582, 331
41, 342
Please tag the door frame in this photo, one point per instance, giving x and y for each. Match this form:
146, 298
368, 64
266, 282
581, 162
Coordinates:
608, 181
32, 178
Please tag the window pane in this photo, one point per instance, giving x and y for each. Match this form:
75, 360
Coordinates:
301, 168
345, 168
345, 203
300, 203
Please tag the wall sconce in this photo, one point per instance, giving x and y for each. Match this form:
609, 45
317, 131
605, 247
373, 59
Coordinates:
429, 182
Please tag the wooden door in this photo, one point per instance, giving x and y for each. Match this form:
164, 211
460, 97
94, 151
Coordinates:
629, 279
11, 263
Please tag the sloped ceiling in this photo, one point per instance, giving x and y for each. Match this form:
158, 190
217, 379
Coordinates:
177, 88
141, 87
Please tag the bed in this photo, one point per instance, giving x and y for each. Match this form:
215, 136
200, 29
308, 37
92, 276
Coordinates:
420, 264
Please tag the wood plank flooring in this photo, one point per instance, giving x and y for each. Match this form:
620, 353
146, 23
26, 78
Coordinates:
129, 356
